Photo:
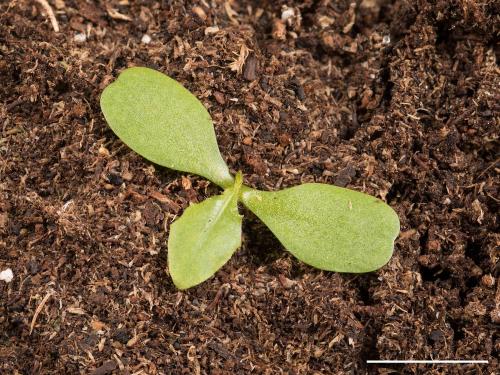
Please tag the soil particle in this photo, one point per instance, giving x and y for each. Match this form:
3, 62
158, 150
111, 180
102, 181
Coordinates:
220, 97
345, 176
121, 335
115, 179
107, 368
398, 99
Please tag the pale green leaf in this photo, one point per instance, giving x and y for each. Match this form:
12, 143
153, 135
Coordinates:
161, 120
328, 227
203, 239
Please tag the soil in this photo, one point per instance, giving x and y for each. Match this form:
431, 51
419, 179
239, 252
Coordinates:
398, 99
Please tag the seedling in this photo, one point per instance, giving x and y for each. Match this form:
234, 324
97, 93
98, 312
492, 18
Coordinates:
328, 227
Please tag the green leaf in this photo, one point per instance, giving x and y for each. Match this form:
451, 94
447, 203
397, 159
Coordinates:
328, 227
203, 239
161, 120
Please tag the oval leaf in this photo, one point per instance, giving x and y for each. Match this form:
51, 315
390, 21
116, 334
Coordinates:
328, 227
203, 239
161, 120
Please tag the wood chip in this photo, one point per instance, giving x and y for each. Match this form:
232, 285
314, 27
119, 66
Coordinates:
199, 12
219, 97
76, 310
237, 65
97, 325
250, 72
279, 30
231, 14
211, 30
286, 282
113, 13
352, 13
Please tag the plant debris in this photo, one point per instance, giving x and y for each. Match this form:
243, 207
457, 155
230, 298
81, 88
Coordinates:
403, 106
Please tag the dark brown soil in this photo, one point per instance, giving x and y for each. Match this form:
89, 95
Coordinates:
399, 99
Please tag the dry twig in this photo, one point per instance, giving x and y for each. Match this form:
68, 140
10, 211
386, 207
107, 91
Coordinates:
50, 13
39, 309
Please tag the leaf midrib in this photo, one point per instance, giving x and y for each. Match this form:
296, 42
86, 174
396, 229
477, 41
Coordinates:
218, 216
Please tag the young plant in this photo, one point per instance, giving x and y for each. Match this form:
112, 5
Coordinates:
328, 227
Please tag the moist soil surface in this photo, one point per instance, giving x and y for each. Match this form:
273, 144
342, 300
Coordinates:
398, 99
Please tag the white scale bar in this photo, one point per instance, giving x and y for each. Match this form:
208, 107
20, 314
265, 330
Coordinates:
458, 361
